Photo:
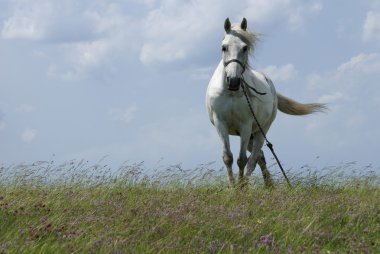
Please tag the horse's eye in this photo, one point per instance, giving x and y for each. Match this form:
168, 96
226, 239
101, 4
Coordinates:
245, 48
224, 48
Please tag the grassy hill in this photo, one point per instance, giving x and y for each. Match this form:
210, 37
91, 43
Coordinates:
76, 208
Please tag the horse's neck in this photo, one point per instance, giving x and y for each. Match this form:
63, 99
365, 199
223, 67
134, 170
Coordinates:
218, 81
250, 74
261, 83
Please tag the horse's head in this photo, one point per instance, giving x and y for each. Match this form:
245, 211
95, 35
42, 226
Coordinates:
237, 44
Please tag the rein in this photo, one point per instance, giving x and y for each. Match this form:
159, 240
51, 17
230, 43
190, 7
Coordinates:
242, 77
252, 88
268, 144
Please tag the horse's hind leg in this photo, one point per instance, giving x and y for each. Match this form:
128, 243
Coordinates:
264, 170
257, 157
254, 146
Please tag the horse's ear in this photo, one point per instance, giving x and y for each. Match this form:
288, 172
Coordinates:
243, 24
227, 25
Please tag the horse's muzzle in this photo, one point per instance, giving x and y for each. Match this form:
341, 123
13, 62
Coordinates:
233, 83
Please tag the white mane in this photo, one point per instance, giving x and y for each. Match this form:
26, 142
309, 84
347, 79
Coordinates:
248, 37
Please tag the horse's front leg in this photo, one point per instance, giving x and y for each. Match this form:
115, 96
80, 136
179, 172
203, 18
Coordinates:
222, 130
245, 134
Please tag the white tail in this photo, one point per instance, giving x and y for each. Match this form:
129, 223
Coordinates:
291, 107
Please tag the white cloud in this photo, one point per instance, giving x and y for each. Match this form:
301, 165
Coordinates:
46, 20
175, 30
202, 73
28, 20
166, 31
87, 34
175, 138
356, 120
180, 135
29, 135
331, 97
363, 63
354, 77
350, 92
123, 115
294, 12
165, 53
371, 27
2, 122
84, 56
117, 34
281, 73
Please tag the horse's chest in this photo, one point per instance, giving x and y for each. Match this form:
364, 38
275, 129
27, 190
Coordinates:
234, 113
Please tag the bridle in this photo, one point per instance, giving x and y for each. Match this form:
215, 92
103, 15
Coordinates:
236, 61
243, 65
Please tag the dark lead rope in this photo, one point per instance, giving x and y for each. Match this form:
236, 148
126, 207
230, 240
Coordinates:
252, 88
268, 144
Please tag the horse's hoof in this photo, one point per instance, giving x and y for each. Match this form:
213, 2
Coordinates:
243, 182
269, 184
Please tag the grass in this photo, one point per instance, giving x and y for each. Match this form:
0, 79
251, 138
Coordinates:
88, 209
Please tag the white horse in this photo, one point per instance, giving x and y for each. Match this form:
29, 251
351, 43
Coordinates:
228, 108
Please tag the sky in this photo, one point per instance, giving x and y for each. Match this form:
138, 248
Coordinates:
126, 79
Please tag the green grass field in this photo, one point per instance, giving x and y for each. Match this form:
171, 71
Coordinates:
87, 209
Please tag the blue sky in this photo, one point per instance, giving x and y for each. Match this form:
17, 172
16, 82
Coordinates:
127, 79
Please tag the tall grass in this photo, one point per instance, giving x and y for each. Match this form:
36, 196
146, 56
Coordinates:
76, 207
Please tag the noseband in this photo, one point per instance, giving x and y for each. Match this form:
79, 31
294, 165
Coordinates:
242, 78
236, 61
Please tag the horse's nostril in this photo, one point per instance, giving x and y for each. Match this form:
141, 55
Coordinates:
228, 80
233, 83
